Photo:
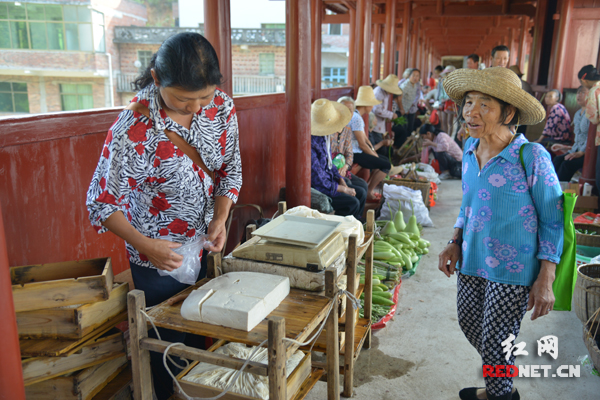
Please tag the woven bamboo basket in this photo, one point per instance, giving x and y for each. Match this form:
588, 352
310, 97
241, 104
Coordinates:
586, 296
588, 240
423, 186
591, 338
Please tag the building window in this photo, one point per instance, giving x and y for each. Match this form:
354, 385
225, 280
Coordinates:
337, 75
335, 29
266, 63
75, 96
13, 97
272, 26
144, 57
50, 27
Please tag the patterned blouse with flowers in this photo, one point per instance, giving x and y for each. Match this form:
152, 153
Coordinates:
592, 109
558, 123
163, 194
511, 217
341, 142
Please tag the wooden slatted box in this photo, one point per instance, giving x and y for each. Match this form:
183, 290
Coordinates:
44, 286
294, 381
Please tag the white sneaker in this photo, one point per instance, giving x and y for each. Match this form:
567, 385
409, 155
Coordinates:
445, 175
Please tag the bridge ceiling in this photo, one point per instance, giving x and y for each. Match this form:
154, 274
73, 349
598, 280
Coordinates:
451, 27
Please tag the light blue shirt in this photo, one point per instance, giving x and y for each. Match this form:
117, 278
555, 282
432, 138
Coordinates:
580, 126
510, 217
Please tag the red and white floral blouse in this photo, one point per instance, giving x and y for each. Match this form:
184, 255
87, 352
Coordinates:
161, 191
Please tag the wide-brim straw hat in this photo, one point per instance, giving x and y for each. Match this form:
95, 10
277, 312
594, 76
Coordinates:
366, 97
500, 83
390, 84
328, 117
516, 70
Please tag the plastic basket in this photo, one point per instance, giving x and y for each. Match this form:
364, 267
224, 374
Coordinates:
584, 254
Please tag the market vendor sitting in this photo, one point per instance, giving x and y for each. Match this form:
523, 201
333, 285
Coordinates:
327, 118
445, 150
382, 111
558, 121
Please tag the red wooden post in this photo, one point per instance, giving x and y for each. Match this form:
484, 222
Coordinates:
376, 52
359, 35
297, 93
352, 50
414, 43
389, 34
317, 17
217, 29
11, 373
522, 40
563, 34
403, 53
588, 174
366, 72
536, 47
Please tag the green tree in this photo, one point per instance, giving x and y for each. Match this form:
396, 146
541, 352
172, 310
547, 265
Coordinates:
160, 12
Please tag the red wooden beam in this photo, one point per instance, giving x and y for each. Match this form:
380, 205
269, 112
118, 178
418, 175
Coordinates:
297, 163
11, 373
522, 43
217, 29
389, 35
558, 57
359, 30
403, 52
367, 43
352, 49
467, 10
377, 28
536, 46
317, 13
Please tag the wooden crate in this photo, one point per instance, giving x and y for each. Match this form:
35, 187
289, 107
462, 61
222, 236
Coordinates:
94, 352
120, 388
82, 385
294, 381
61, 284
72, 322
423, 186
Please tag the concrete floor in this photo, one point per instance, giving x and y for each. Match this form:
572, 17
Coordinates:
422, 354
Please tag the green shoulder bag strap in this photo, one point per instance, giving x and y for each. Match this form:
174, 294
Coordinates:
566, 269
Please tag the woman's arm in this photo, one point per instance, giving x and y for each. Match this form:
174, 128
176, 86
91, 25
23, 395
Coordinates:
451, 254
364, 143
217, 232
541, 296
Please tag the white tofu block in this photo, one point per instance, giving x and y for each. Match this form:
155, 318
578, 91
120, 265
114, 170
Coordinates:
242, 299
192, 305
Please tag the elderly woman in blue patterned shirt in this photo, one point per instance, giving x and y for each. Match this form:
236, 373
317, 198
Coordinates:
509, 234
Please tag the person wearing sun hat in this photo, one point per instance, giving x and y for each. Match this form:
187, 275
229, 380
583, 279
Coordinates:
326, 118
365, 154
508, 237
385, 88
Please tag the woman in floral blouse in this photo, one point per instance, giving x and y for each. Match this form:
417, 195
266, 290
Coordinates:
508, 237
558, 121
169, 170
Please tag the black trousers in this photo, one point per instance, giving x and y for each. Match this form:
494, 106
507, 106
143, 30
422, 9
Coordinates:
344, 204
371, 162
447, 163
362, 188
157, 289
566, 169
376, 137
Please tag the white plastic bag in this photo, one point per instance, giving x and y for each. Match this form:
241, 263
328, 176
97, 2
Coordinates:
393, 193
426, 171
189, 270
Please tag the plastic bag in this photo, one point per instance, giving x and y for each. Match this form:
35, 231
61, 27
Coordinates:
393, 193
189, 270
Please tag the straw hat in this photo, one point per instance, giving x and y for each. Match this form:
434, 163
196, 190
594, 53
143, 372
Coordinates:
500, 83
390, 84
366, 97
328, 117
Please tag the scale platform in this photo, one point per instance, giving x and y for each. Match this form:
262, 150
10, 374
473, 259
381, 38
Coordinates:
313, 259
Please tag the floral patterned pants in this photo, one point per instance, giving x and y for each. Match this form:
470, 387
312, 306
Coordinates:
488, 312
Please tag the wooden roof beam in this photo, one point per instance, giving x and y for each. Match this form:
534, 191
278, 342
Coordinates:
466, 10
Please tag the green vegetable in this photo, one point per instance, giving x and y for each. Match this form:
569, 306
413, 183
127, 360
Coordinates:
383, 255
412, 227
386, 295
383, 301
377, 289
399, 218
388, 228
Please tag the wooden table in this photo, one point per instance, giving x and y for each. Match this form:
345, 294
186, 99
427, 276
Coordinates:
295, 318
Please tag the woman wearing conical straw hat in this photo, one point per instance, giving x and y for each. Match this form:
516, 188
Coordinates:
385, 88
364, 151
326, 118
509, 233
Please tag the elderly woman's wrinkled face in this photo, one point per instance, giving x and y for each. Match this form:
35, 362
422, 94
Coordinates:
582, 96
349, 105
482, 114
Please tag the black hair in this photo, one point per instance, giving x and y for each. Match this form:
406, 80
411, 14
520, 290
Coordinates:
429, 128
589, 73
185, 60
439, 68
500, 48
474, 57
504, 112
